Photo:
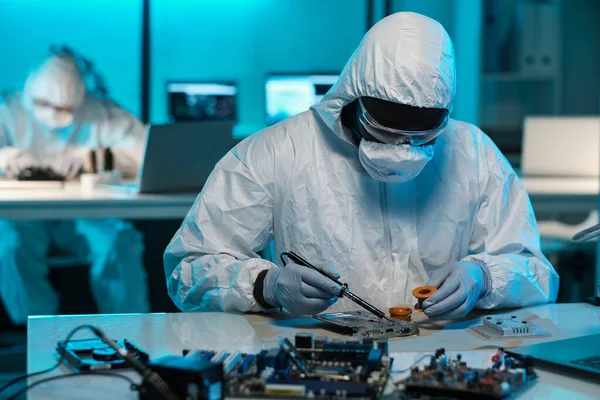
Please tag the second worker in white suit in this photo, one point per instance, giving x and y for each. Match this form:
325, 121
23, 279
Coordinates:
55, 122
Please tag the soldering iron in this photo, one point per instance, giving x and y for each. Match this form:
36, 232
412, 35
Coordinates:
344, 291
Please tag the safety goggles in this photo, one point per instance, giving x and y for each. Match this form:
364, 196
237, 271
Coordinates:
398, 136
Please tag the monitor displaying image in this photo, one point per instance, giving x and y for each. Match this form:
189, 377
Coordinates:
288, 95
200, 101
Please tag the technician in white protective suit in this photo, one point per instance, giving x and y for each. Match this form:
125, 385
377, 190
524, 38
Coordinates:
55, 123
376, 180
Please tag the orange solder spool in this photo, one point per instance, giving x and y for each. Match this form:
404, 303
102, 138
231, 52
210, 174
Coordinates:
422, 293
402, 313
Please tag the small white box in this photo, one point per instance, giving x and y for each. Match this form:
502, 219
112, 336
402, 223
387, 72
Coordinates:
90, 181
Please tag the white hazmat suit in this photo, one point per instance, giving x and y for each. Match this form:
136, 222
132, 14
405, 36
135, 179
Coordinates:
302, 184
113, 247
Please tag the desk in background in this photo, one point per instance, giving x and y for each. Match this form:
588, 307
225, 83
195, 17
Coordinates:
71, 202
562, 195
547, 195
157, 216
163, 334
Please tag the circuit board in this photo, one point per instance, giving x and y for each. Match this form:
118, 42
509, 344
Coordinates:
365, 325
446, 378
307, 369
318, 368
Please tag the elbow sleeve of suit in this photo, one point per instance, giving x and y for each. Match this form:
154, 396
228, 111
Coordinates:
212, 282
512, 283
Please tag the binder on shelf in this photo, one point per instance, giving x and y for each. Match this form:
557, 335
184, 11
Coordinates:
547, 37
528, 59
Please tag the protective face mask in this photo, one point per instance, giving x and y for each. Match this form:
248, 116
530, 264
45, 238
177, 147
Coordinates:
52, 118
393, 163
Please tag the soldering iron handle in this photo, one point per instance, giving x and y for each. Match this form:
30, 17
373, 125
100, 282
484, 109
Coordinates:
372, 309
301, 261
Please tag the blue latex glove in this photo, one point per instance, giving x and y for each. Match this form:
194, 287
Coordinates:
301, 290
460, 285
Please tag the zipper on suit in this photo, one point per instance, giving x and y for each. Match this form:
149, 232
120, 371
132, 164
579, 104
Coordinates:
386, 227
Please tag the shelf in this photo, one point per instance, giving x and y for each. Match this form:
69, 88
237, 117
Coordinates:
516, 77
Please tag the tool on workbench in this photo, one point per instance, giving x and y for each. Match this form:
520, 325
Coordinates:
399, 312
344, 291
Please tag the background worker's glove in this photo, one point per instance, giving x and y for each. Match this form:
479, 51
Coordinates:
301, 290
13, 161
460, 285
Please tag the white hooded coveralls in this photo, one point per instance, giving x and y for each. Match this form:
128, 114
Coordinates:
300, 183
113, 247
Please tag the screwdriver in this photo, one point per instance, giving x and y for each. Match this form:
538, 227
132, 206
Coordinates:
344, 292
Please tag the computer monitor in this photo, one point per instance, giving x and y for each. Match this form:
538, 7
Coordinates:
290, 94
202, 101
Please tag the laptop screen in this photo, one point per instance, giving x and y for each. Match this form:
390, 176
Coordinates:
288, 95
202, 101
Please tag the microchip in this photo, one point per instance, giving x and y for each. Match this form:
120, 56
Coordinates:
284, 390
365, 325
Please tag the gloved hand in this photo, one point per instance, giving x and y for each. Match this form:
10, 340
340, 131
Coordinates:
69, 165
301, 290
460, 285
17, 161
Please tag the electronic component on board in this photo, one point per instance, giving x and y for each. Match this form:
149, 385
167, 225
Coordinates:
508, 327
364, 325
188, 377
96, 354
453, 378
310, 367
319, 368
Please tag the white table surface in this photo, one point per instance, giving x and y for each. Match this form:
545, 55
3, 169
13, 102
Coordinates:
72, 202
162, 334
562, 194
547, 194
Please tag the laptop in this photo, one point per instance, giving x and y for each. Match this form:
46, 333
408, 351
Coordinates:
579, 356
561, 147
180, 157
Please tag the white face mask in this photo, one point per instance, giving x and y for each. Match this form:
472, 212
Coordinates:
393, 163
52, 118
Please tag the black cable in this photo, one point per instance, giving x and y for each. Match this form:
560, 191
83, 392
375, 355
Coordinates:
147, 374
58, 363
152, 377
133, 386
